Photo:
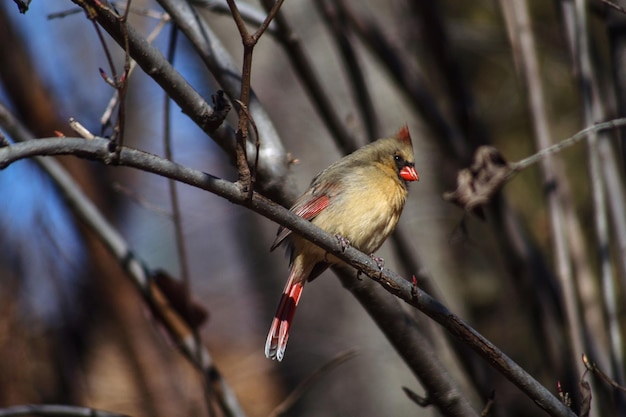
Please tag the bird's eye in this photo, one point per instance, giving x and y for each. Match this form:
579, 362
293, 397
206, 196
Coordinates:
397, 158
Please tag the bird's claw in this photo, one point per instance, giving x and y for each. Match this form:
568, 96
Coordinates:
358, 275
414, 288
380, 262
343, 242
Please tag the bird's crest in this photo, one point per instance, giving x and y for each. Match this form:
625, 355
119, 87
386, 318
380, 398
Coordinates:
403, 134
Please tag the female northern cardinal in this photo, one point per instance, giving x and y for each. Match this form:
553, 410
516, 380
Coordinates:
359, 199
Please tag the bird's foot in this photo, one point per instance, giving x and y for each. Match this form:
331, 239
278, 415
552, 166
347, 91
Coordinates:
414, 288
358, 275
343, 242
380, 262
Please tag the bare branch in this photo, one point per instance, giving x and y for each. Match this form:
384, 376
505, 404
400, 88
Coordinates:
614, 6
52, 410
152, 61
416, 398
105, 119
593, 368
249, 13
305, 384
408, 80
489, 171
273, 160
306, 71
335, 17
98, 149
593, 108
176, 325
247, 175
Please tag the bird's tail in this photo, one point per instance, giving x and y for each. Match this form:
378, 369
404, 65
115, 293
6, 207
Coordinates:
279, 331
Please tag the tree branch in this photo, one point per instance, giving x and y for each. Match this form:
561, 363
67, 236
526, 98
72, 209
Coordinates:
306, 71
335, 18
53, 410
273, 160
98, 149
177, 326
247, 175
152, 61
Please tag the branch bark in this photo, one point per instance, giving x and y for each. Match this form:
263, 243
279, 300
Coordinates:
98, 149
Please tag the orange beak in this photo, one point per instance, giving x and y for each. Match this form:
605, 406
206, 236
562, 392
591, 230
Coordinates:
408, 173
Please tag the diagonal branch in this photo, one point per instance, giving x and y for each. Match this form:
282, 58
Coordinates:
152, 61
98, 149
177, 326
53, 410
306, 71
273, 160
335, 17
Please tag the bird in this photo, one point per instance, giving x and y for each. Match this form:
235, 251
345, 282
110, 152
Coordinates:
359, 199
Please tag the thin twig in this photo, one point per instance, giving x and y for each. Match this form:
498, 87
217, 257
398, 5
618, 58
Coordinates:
257, 141
566, 143
305, 70
489, 171
395, 284
135, 10
178, 224
246, 174
614, 6
523, 43
122, 83
136, 268
54, 410
488, 404
593, 367
64, 14
306, 384
105, 119
133, 196
152, 61
588, 86
119, 83
335, 18
273, 157
81, 130
248, 12
408, 80
416, 398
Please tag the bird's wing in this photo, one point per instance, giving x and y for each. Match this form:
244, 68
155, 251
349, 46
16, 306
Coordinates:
308, 206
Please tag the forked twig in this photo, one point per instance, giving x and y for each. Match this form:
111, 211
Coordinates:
249, 41
105, 119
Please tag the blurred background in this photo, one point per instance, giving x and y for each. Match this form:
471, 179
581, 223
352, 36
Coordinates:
74, 329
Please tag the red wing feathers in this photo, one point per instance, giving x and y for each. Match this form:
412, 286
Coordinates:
308, 206
312, 207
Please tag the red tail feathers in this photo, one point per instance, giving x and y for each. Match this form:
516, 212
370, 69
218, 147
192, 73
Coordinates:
279, 331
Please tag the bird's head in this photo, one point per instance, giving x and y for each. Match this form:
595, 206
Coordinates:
396, 153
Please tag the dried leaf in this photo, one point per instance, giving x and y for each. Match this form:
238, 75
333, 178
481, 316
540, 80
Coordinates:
477, 184
189, 309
